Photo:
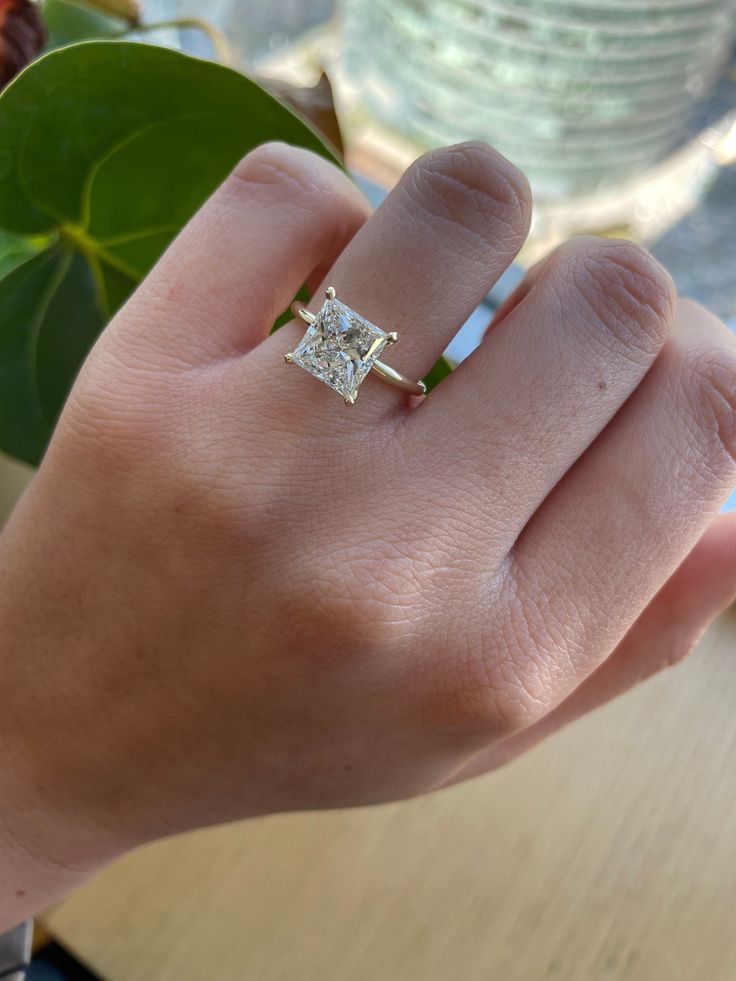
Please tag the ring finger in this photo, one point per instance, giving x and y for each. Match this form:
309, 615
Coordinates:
419, 266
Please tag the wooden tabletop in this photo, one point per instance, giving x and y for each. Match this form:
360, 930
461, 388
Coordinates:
608, 853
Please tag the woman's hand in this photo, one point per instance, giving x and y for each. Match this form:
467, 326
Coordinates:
227, 594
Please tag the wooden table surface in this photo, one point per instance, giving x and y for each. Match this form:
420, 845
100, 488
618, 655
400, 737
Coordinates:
608, 853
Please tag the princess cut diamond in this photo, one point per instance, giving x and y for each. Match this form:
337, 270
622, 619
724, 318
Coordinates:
340, 348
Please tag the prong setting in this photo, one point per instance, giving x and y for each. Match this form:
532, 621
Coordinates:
330, 293
299, 310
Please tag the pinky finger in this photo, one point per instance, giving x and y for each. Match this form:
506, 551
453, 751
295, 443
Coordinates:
665, 633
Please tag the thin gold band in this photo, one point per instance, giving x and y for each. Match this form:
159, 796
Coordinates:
385, 372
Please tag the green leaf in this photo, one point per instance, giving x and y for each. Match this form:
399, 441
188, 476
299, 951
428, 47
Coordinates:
441, 369
106, 148
101, 105
66, 23
14, 249
50, 316
71, 321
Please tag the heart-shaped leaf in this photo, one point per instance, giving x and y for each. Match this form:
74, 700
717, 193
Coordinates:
15, 248
108, 148
51, 314
67, 23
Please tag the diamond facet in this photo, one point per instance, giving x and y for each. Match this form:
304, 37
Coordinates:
340, 348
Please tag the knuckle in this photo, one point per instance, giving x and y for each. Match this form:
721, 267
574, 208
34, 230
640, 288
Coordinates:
530, 654
363, 598
486, 698
471, 185
499, 688
710, 382
628, 293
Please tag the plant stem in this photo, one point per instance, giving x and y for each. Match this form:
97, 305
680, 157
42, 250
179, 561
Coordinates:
220, 43
93, 251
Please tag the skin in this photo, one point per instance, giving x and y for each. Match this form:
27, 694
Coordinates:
225, 594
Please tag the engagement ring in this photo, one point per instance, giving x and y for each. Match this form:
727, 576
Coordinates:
340, 348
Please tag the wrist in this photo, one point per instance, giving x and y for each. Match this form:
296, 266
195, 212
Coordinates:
30, 878
51, 838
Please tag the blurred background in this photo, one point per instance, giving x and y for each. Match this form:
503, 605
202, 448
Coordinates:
620, 112
607, 854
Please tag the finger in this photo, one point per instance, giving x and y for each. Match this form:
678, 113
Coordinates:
522, 408
426, 258
240, 261
665, 633
514, 298
623, 519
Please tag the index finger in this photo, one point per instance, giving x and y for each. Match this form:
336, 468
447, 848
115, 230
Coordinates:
282, 213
